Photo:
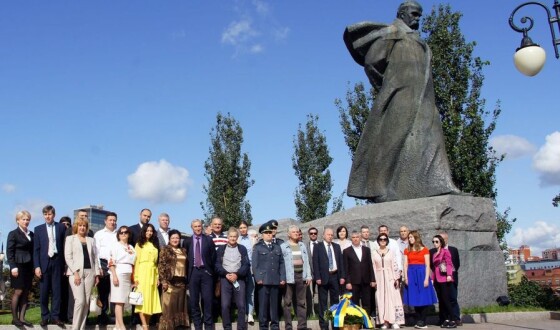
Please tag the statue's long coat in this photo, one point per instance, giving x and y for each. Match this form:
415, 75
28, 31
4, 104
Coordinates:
401, 153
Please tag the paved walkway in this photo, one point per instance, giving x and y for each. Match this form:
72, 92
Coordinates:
493, 321
542, 324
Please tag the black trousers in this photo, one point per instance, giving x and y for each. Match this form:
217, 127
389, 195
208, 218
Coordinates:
201, 288
268, 307
50, 283
361, 296
329, 290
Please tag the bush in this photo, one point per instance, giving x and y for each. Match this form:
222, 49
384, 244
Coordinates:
529, 293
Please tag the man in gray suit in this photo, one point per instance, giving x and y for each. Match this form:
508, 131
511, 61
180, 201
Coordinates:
269, 273
163, 231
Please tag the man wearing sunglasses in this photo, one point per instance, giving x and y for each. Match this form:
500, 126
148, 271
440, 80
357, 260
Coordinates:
313, 234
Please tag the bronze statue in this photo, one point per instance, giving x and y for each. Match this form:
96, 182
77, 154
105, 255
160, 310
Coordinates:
401, 153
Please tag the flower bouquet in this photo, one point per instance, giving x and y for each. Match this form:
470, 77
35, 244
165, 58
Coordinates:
347, 315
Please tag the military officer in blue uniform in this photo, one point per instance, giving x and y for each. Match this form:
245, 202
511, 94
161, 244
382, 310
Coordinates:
270, 274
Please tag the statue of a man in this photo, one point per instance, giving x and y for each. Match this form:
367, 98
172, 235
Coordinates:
401, 153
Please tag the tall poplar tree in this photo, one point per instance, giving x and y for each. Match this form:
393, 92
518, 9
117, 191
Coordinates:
458, 80
310, 162
228, 172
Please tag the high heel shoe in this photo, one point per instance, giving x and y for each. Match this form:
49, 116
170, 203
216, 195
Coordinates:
17, 323
27, 323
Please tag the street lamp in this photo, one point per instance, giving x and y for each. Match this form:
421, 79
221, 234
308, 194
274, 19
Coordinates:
529, 58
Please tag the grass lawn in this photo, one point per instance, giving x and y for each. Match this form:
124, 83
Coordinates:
33, 315
500, 309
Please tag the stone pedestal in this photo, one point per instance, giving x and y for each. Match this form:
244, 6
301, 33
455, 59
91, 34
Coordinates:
469, 221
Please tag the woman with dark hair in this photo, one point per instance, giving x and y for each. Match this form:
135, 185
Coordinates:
20, 258
387, 274
342, 237
443, 276
418, 290
146, 274
120, 267
172, 276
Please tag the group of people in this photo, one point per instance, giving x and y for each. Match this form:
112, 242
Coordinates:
387, 277
224, 270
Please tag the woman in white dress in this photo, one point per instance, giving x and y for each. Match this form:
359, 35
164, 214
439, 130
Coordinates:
121, 266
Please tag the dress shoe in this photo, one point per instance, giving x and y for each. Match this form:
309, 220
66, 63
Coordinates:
44, 323
59, 323
459, 323
17, 323
27, 323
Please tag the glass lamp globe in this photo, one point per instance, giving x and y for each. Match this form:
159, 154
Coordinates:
529, 60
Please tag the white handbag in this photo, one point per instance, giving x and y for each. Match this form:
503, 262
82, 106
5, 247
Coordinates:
94, 308
135, 298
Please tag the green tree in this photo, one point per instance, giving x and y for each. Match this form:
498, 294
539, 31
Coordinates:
458, 80
556, 200
310, 162
228, 172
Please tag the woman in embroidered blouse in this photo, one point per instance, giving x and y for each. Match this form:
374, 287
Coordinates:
20, 258
387, 296
172, 271
418, 290
120, 267
342, 238
443, 276
146, 274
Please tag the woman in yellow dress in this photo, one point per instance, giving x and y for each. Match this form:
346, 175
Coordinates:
146, 274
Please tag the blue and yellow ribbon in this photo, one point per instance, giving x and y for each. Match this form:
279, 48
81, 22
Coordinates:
347, 307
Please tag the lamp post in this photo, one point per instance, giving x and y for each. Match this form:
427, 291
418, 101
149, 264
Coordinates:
529, 58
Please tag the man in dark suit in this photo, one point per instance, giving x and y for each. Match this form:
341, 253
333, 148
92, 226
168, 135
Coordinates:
312, 289
48, 260
328, 272
358, 268
453, 289
145, 216
201, 253
269, 273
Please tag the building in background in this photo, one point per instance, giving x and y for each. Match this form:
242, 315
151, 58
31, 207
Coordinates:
514, 273
551, 254
521, 255
96, 215
545, 277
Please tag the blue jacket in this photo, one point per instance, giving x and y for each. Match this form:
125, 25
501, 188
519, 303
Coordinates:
268, 265
245, 268
289, 262
41, 246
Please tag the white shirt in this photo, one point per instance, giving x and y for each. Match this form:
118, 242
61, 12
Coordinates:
358, 250
393, 245
403, 244
122, 257
312, 245
327, 247
104, 239
165, 235
25, 232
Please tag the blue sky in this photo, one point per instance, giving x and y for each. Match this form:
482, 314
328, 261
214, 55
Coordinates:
112, 102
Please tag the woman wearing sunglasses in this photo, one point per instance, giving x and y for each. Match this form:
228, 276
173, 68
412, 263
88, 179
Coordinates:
443, 276
387, 297
120, 267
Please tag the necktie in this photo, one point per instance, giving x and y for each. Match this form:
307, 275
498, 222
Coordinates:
363, 243
329, 252
270, 247
313, 248
197, 253
50, 232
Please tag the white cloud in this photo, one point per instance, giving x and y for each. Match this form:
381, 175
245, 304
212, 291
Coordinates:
512, 146
539, 237
281, 33
261, 7
238, 32
257, 49
33, 206
8, 188
159, 182
547, 160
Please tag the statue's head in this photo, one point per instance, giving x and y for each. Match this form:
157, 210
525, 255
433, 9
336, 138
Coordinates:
410, 12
